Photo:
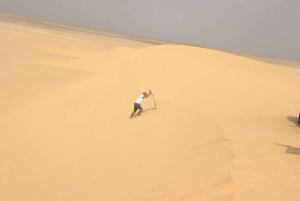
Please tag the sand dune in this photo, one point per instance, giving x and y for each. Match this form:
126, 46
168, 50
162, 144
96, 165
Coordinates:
224, 128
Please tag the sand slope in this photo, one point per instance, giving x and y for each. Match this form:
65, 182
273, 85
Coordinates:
224, 128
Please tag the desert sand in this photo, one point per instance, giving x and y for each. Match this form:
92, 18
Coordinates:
225, 127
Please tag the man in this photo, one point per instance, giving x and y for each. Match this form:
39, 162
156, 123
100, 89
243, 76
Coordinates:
138, 102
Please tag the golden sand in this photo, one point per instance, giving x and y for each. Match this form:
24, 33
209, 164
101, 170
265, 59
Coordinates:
221, 130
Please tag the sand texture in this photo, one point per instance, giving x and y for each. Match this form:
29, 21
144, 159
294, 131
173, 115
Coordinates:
225, 127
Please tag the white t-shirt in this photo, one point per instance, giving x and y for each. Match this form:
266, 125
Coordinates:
140, 99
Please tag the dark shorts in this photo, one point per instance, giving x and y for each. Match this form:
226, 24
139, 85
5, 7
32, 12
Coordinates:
137, 106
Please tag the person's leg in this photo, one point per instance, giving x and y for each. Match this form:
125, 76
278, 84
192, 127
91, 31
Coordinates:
134, 111
135, 107
140, 111
138, 106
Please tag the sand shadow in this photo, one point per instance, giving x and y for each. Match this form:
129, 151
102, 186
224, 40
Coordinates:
149, 109
294, 120
290, 150
145, 110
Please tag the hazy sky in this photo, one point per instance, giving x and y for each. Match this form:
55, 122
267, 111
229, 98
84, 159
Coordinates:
266, 27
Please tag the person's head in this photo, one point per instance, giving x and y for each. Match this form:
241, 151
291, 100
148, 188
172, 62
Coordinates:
144, 93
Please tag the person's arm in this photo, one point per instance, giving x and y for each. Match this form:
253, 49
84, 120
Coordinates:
148, 94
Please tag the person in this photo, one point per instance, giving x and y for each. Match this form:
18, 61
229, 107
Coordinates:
138, 102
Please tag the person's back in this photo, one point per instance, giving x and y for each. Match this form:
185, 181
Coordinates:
140, 99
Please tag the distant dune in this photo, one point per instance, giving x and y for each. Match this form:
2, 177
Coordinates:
225, 127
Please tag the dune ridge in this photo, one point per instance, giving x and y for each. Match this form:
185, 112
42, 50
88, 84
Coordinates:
221, 129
